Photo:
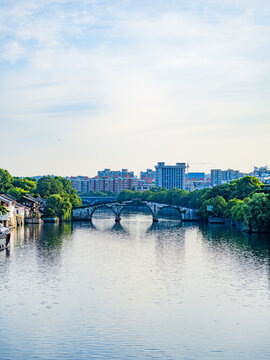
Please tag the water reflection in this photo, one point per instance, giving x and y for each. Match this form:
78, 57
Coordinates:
100, 226
169, 290
165, 225
4, 254
256, 244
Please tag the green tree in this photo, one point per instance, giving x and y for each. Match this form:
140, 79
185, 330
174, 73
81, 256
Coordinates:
58, 206
257, 214
5, 181
48, 185
239, 209
246, 187
219, 205
229, 206
3, 210
224, 190
126, 195
17, 193
193, 199
24, 183
66, 184
74, 199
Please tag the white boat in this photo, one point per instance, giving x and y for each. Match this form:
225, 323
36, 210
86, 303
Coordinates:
4, 237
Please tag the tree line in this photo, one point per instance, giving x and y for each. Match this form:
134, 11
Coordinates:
246, 201
57, 191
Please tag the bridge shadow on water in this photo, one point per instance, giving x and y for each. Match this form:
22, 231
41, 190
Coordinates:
117, 227
164, 225
128, 226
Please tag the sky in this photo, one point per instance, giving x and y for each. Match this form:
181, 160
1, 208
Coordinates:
93, 84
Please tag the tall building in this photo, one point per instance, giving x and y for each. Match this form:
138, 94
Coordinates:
80, 183
229, 175
170, 176
215, 177
219, 176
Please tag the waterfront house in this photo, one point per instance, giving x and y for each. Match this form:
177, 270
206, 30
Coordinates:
4, 217
16, 212
42, 203
33, 203
9, 204
36, 206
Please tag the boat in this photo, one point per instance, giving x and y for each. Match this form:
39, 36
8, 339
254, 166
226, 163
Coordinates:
4, 237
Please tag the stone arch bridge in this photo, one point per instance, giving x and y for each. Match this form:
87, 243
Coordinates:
87, 212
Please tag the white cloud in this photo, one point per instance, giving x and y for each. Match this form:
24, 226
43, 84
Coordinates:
12, 52
169, 84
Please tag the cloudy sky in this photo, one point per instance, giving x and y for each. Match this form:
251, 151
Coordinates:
89, 84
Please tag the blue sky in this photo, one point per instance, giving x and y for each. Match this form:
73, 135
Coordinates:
91, 84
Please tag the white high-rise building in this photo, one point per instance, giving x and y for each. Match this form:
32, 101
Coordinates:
170, 176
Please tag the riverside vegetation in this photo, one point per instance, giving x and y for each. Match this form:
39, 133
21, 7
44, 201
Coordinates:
246, 201
57, 191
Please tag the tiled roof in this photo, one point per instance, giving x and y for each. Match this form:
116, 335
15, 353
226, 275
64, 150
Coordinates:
8, 197
4, 199
31, 198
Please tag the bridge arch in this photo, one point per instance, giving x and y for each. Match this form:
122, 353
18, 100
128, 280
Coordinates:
170, 207
102, 206
135, 202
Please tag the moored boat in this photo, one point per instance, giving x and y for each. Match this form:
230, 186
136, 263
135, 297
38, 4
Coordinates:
4, 237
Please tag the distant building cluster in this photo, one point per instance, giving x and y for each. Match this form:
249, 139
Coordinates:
197, 181
263, 173
219, 176
114, 184
164, 176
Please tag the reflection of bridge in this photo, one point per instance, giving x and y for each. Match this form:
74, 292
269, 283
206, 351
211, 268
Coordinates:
87, 212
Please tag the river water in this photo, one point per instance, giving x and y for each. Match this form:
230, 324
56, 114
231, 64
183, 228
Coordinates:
169, 291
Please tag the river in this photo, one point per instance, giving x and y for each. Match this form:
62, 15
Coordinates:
134, 290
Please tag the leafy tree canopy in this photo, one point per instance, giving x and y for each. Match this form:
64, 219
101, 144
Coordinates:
47, 186
58, 206
246, 187
218, 204
257, 215
17, 193
24, 183
5, 180
3, 210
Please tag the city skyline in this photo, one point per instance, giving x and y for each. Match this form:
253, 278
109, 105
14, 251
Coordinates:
94, 84
192, 169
